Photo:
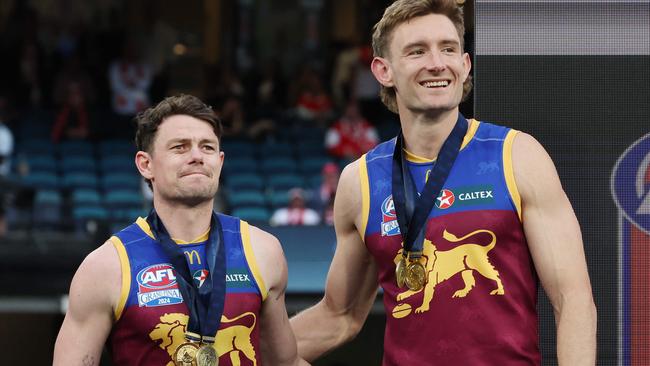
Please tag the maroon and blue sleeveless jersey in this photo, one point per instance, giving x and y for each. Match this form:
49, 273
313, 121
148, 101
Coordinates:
151, 316
478, 306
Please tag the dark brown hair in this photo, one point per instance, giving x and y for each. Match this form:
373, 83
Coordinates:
402, 11
182, 104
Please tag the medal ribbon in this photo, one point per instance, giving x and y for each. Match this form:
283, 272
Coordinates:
205, 304
412, 213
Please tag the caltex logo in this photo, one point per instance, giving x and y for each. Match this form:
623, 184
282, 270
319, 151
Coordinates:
445, 199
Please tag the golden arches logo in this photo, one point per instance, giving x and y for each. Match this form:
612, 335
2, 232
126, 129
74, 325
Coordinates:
441, 265
234, 340
191, 254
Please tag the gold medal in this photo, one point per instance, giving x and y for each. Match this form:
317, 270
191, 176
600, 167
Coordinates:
415, 276
207, 356
400, 272
185, 354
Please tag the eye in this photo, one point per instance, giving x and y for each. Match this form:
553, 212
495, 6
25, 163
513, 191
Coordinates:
209, 147
416, 52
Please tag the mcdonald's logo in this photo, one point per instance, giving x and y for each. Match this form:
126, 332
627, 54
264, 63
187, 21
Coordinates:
191, 255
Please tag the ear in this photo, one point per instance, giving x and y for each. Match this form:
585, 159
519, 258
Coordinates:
380, 67
467, 65
143, 163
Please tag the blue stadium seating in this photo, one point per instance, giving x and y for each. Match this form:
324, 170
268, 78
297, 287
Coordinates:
86, 196
280, 182
244, 181
42, 163
75, 147
118, 163
42, 180
274, 165
119, 180
80, 180
77, 163
246, 198
252, 214
48, 206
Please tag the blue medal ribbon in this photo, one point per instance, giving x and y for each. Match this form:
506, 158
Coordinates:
412, 213
205, 303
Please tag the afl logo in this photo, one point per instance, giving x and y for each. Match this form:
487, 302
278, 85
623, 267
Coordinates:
388, 208
630, 183
158, 276
389, 224
445, 199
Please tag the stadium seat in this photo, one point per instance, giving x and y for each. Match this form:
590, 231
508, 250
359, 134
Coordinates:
75, 147
244, 181
86, 196
246, 199
275, 150
48, 209
42, 163
77, 164
313, 165
117, 163
253, 214
238, 149
240, 165
118, 147
80, 180
284, 182
91, 212
278, 199
119, 180
123, 204
275, 165
42, 180
37, 146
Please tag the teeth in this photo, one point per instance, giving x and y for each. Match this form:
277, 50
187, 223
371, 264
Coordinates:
433, 84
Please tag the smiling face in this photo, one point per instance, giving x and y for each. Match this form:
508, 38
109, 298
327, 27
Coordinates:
184, 163
426, 65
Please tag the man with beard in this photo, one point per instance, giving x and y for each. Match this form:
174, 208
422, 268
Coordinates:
184, 284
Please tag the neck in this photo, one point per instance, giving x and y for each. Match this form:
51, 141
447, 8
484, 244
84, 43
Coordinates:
183, 222
425, 134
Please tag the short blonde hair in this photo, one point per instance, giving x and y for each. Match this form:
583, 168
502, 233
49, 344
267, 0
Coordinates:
402, 11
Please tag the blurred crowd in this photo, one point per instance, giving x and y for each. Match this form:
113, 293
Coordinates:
66, 78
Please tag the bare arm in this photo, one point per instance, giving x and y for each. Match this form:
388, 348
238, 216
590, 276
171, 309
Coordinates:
555, 243
88, 321
277, 340
351, 282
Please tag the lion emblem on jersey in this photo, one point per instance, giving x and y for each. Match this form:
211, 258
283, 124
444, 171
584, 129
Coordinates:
442, 265
233, 340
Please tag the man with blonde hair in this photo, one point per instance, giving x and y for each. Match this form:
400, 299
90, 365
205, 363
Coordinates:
457, 220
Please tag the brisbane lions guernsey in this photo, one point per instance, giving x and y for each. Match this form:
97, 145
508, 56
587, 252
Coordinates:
478, 306
152, 316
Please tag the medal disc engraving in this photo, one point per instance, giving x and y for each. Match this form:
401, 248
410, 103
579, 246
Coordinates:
207, 356
185, 354
415, 276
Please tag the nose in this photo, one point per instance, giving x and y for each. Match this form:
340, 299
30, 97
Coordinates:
196, 155
435, 63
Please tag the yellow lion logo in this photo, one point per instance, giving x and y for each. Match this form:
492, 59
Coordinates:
233, 340
442, 265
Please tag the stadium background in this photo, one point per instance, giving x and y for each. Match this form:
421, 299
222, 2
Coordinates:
574, 74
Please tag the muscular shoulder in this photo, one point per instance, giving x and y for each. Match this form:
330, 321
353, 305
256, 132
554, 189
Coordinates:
348, 201
270, 258
97, 281
533, 168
